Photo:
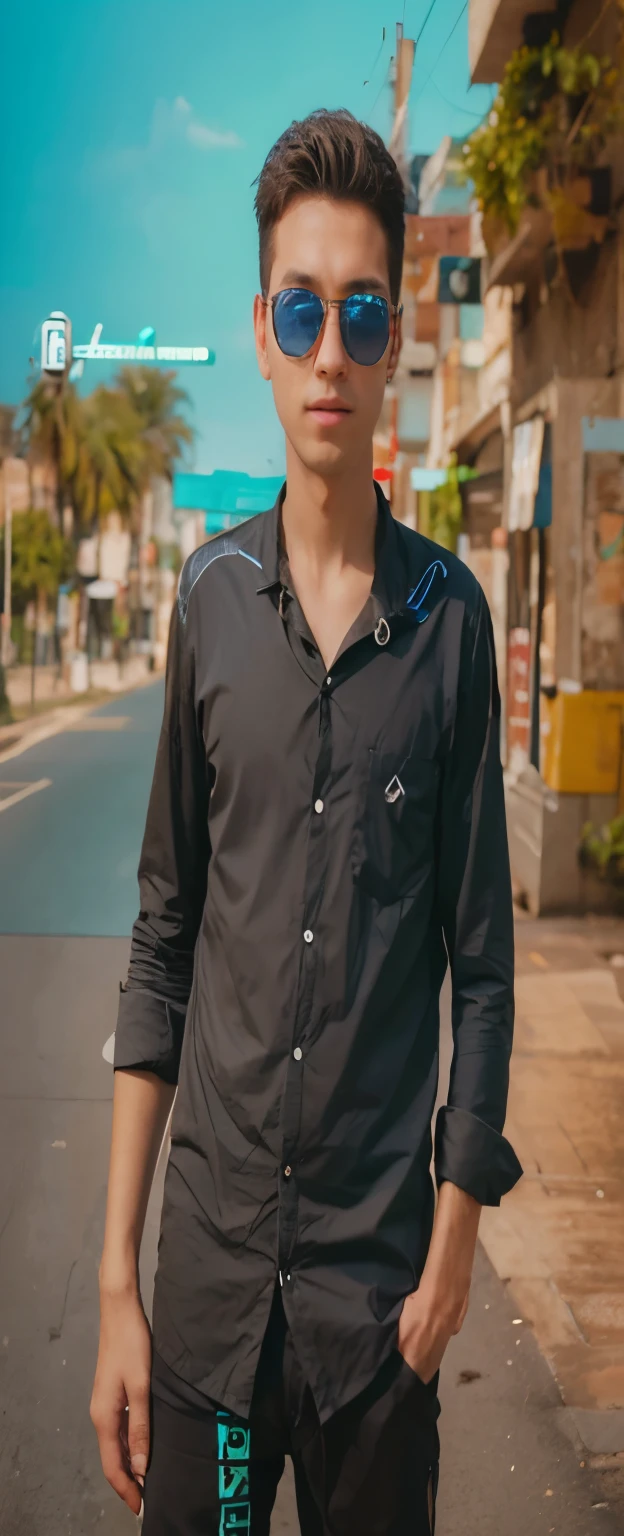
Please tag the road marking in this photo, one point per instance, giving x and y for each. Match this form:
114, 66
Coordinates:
22, 792
99, 723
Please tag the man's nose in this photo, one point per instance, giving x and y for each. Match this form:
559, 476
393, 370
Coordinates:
331, 359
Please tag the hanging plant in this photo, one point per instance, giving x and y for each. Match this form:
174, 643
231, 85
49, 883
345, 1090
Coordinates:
445, 507
555, 111
603, 851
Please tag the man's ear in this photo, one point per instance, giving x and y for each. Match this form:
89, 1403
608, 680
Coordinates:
260, 331
397, 342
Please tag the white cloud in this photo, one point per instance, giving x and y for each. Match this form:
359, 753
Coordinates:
172, 122
211, 138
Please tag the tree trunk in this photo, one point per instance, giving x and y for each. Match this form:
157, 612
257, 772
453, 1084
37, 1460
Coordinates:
5, 703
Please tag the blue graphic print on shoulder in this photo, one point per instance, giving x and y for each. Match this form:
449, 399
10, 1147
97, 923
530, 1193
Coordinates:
198, 562
420, 592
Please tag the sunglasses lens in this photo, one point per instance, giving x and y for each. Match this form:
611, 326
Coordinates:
365, 327
297, 320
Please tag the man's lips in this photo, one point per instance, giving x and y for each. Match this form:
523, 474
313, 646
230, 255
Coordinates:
329, 412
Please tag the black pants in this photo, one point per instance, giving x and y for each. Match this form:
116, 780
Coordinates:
371, 1470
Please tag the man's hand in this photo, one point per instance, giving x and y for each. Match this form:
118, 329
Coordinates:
433, 1313
120, 1405
425, 1328
120, 1402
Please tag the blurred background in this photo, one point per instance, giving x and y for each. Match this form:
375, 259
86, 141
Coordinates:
134, 426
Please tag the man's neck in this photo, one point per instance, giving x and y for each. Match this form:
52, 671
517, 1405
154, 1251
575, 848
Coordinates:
330, 523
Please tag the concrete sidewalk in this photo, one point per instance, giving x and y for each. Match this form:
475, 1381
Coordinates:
558, 1239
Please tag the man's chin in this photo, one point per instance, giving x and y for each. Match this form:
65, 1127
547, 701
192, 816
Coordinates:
329, 460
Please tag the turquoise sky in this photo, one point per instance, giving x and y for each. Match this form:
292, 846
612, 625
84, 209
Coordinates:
130, 134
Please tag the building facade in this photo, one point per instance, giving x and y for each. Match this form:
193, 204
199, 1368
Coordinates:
547, 441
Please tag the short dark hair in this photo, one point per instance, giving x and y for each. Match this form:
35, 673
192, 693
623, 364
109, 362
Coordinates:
331, 154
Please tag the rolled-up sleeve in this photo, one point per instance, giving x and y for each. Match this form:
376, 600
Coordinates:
173, 873
477, 919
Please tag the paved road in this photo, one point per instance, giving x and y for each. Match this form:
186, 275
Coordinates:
68, 855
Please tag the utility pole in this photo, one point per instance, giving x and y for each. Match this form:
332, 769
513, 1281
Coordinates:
403, 66
8, 543
5, 647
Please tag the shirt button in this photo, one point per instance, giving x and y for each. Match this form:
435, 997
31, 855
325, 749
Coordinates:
318, 806
297, 1053
308, 935
287, 1172
328, 681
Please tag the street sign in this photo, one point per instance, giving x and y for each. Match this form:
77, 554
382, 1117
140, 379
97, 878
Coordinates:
56, 344
126, 352
459, 280
144, 350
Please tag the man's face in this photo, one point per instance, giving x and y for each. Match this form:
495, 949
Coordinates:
327, 404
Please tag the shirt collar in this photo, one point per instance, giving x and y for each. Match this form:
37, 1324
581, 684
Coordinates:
391, 579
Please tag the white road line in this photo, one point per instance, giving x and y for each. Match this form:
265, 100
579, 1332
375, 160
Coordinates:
20, 794
99, 723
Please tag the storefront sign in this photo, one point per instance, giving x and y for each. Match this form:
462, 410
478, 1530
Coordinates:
519, 698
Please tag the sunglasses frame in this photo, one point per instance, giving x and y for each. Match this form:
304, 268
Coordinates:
394, 313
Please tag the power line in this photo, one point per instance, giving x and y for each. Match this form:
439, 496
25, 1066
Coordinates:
377, 57
381, 88
478, 116
433, 3
444, 46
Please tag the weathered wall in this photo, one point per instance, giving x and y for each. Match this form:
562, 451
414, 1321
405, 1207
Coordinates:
602, 612
573, 338
571, 399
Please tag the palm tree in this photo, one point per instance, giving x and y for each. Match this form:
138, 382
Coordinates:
112, 459
155, 397
41, 560
53, 427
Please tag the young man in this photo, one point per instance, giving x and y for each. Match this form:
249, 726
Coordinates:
325, 830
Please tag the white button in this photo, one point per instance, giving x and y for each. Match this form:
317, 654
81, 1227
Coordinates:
288, 1277
287, 1172
318, 806
328, 681
297, 1053
308, 935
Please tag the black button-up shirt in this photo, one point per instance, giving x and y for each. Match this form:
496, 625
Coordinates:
317, 848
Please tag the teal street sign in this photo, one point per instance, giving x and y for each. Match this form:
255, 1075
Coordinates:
226, 497
125, 352
57, 349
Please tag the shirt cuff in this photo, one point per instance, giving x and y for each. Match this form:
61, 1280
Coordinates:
471, 1154
149, 1034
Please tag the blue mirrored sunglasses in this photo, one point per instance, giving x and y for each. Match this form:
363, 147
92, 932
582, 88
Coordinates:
299, 315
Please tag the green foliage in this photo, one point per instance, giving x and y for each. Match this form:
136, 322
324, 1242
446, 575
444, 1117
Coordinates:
603, 850
555, 107
445, 508
155, 397
41, 557
106, 446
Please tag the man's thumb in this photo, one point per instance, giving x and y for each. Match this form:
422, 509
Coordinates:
138, 1435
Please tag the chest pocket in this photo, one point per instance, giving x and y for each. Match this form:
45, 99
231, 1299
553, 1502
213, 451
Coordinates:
395, 832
